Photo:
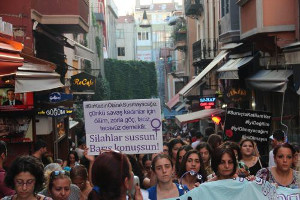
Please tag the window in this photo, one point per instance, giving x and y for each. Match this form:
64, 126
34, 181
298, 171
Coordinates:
120, 33
143, 36
225, 7
121, 51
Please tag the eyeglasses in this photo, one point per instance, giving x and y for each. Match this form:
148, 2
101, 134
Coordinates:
21, 183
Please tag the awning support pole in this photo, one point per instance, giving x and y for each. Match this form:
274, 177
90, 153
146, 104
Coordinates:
287, 128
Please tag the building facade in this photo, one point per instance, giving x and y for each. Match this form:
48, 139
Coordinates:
126, 38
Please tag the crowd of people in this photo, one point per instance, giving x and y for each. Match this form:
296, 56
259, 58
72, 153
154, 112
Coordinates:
182, 166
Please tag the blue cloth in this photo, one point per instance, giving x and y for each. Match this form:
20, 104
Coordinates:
153, 191
238, 189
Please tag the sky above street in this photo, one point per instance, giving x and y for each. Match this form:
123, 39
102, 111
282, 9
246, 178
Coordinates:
127, 6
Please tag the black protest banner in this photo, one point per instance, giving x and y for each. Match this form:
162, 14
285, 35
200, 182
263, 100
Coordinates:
250, 124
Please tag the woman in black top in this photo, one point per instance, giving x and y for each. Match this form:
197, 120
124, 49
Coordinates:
249, 156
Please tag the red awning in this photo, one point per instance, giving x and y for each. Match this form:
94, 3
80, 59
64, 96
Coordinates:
10, 58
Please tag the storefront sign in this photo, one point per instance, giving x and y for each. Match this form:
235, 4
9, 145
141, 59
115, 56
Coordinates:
237, 94
83, 82
207, 102
58, 97
248, 124
56, 112
129, 126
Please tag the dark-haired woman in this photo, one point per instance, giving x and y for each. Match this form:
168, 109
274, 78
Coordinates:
26, 177
162, 166
180, 154
192, 171
79, 177
282, 174
146, 161
224, 164
214, 140
249, 158
72, 160
174, 145
112, 177
206, 153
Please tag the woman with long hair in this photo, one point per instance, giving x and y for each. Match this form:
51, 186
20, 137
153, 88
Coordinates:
224, 164
249, 156
214, 140
112, 177
206, 154
180, 154
162, 166
174, 145
192, 171
282, 174
71, 161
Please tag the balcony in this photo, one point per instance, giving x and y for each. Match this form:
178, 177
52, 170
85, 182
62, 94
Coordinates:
204, 51
229, 24
180, 40
260, 20
63, 16
193, 8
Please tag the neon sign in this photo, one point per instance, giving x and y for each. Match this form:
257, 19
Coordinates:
207, 102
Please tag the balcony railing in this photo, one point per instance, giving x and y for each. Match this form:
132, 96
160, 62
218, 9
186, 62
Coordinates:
193, 8
205, 49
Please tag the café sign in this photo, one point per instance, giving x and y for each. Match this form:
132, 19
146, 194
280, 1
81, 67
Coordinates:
55, 112
237, 94
83, 82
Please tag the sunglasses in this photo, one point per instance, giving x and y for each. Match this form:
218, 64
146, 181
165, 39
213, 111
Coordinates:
57, 173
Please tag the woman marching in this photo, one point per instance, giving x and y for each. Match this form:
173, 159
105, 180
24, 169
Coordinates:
162, 166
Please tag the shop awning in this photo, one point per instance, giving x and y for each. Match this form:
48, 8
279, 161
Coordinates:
188, 87
230, 46
72, 123
181, 106
36, 77
170, 114
173, 101
84, 52
10, 58
230, 69
202, 114
269, 80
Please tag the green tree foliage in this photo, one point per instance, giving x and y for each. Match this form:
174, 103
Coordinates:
102, 91
131, 79
87, 66
98, 45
